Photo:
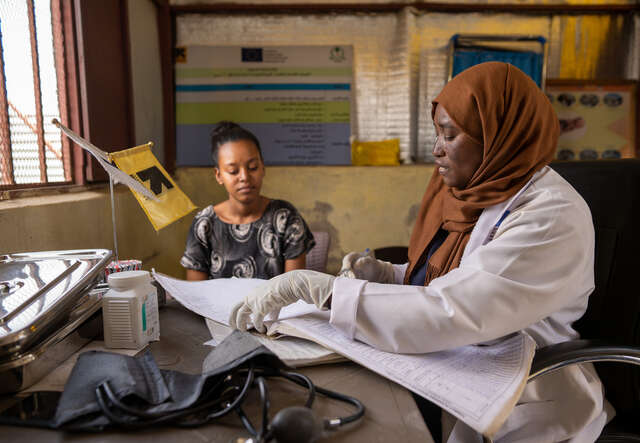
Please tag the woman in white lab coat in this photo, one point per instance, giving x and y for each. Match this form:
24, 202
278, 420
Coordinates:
501, 244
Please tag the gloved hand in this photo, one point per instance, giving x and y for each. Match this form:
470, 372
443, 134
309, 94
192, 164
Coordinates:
282, 290
365, 267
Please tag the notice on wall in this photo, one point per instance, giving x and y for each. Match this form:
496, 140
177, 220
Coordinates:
597, 118
295, 99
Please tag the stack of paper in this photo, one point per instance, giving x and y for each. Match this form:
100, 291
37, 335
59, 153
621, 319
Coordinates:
478, 384
214, 299
294, 351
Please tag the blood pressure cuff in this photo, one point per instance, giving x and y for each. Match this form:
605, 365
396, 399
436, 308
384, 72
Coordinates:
138, 382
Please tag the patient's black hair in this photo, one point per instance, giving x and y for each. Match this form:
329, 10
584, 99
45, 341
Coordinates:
225, 132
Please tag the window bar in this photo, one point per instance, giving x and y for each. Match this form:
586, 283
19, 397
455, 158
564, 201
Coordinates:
6, 164
61, 75
78, 156
37, 91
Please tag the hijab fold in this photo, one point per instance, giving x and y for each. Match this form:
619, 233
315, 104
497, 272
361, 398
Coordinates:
500, 107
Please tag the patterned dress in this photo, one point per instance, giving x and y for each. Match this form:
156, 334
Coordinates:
252, 250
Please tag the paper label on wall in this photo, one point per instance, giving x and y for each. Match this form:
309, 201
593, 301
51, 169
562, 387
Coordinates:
295, 99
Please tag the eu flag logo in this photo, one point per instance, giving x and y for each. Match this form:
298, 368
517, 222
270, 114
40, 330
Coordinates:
251, 54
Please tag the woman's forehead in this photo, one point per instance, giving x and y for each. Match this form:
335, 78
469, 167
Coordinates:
239, 144
238, 151
442, 118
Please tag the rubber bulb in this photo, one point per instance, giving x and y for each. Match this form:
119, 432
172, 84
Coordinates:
296, 424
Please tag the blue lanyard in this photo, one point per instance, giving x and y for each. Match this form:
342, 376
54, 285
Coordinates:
497, 225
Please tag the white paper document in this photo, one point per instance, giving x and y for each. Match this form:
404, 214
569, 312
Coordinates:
478, 384
294, 351
212, 299
215, 299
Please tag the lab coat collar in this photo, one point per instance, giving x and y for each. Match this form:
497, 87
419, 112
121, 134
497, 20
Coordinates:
492, 216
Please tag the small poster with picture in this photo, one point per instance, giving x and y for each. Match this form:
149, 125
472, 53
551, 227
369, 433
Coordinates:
598, 119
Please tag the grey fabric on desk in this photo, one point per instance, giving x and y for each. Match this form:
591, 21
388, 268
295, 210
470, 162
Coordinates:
138, 376
138, 382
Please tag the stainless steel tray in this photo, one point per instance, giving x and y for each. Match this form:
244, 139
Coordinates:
22, 370
39, 290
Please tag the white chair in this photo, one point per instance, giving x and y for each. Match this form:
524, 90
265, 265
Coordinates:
317, 256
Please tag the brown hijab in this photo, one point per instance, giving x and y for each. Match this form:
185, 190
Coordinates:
501, 108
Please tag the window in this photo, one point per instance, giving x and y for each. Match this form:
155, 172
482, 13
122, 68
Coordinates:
69, 60
33, 91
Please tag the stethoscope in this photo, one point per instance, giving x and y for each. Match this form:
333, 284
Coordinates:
295, 424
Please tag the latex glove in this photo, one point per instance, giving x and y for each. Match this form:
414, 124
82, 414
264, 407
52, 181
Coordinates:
282, 290
365, 267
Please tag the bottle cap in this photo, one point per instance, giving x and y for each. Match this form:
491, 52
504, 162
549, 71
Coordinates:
128, 279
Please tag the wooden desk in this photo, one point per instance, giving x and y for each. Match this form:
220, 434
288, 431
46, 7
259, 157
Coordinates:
391, 414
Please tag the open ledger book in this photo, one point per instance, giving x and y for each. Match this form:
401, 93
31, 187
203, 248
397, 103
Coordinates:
480, 385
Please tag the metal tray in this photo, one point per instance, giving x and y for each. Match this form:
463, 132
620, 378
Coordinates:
84, 323
39, 290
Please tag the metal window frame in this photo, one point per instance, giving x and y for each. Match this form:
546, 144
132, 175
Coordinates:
6, 167
65, 65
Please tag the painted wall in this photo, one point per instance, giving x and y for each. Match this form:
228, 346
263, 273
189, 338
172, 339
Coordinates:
360, 207
80, 220
146, 77
401, 59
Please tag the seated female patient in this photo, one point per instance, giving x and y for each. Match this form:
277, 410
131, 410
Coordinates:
248, 235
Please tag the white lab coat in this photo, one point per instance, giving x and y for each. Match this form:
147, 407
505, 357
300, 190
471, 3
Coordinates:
533, 273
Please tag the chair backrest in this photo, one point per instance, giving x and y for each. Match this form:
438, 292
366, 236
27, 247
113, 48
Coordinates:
317, 256
393, 254
611, 188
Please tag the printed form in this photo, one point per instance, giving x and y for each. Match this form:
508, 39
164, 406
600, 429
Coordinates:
478, 384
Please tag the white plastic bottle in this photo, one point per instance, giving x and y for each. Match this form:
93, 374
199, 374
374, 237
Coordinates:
130, 310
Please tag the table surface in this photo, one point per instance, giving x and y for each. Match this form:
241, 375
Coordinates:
391, 414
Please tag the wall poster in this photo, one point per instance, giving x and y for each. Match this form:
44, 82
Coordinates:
295, 99
598, 119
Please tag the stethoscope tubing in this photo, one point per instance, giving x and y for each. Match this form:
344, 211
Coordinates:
138, 418
153, 418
